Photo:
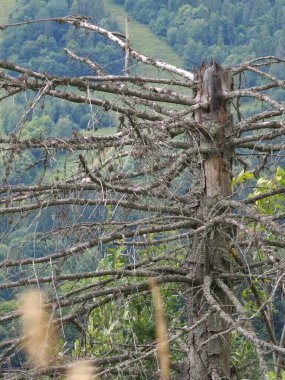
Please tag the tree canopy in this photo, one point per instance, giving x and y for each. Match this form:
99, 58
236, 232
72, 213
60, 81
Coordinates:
228, 31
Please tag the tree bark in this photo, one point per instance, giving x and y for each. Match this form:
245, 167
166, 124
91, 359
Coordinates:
209, 344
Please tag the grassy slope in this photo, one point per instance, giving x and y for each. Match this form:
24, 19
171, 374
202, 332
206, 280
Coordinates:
142, 39
6, 8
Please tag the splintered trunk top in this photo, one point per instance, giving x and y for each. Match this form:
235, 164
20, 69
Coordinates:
209, 343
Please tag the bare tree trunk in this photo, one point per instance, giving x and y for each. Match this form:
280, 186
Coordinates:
209, 347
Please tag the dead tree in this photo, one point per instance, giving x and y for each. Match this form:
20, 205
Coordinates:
160, 190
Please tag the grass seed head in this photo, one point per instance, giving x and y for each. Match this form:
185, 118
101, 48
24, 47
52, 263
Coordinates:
82, 370
38, 332
161, 330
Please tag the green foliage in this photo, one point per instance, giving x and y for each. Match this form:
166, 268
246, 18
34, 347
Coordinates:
241, 178
219, 28
244, 361
275, 203
144, 40
116, 329
272, 376
248, 300
40, 46
111, 326
225, 30
7, 306
113, 258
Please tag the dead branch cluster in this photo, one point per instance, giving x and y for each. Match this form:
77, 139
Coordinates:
136, 190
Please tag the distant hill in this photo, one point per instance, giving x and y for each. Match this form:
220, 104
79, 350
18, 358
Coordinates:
142, 38
230, 31
40, 47
181, 32
48, 40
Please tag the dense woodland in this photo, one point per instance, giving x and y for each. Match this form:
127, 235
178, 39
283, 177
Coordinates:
228, 31
40, 47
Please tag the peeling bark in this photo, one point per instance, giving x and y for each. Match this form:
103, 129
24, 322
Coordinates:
209, 343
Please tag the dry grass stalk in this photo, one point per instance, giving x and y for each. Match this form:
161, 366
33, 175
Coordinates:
82, 370
161, 330
39, 334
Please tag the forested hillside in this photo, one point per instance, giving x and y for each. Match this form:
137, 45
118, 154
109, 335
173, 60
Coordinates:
181, 191
228, 30
41, 47
48, 40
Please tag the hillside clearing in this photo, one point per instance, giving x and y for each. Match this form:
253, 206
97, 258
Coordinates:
6, 8
142, 39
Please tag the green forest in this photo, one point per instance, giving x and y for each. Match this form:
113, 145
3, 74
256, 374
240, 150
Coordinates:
95, 200
225, 30
40, 47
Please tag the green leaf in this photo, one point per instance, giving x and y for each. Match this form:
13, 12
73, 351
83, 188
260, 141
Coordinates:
280, 176
243, 176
